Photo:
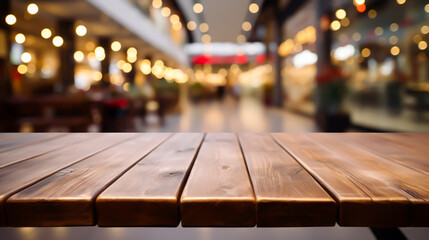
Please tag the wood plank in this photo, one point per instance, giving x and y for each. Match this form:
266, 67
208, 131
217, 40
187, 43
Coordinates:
67, 197
407, 150
286, 194
363, 195
7, 136
37, 148
24, 139
148, 194
218, 191
411, 183
18, 176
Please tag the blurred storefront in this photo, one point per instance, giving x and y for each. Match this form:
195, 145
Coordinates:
378, 67
58, 54
382, 50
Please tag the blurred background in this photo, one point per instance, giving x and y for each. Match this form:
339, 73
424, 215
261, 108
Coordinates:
200, 65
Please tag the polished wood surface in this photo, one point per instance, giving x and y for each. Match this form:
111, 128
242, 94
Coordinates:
66, 197
380, 192
151, 189
51, 142
21, 175
286, 194
214, 179
218, 191
10, 141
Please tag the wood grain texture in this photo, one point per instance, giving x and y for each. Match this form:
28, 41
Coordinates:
402, 174
391, 187
406, 149
218, 191
8, 136
67, 197
148, 194
20, 175
22, 139
286, 194
37, 148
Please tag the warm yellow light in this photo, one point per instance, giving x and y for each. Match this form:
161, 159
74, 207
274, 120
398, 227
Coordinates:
46, 33
198, 8
340, 13
22, 69
100, 54
132, 51
241, 38
127, 67
204, 27
345, 22
97, 76
191, 25
159, 63
126, 86
81, 30
10, 19
26, 57
393, 40
90, 46
286, 48
20, 38
146, 67
417, 38
394, 27
32, 8
177, 26
131, 59
424, 29
57, 41
31, 68
378, 31
395, 50
246, 26
359, 2
400, 2
120, 64
206, 38
366, 52
116, 46
335, 25
422, 45
165, 11
174, 19
372, 13
253, 8
157, 3
78, 56
427, 8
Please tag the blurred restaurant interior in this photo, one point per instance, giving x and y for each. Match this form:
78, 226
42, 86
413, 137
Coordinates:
200, 65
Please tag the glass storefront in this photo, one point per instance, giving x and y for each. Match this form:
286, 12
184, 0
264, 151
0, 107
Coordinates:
382, 52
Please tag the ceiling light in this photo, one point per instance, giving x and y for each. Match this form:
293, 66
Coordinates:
198, 8
10, 19
253, 8
32, 8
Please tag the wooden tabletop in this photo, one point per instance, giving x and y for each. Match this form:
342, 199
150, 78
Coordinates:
214, 179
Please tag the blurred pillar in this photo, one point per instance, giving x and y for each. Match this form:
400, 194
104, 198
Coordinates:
324, 34
5, 31
132, 74
67, 64
105, 64
278, 81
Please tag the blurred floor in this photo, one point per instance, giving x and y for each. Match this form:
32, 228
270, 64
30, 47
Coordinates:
229, 115
82, 233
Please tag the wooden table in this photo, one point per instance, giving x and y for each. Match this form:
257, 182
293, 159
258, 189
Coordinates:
214, 179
